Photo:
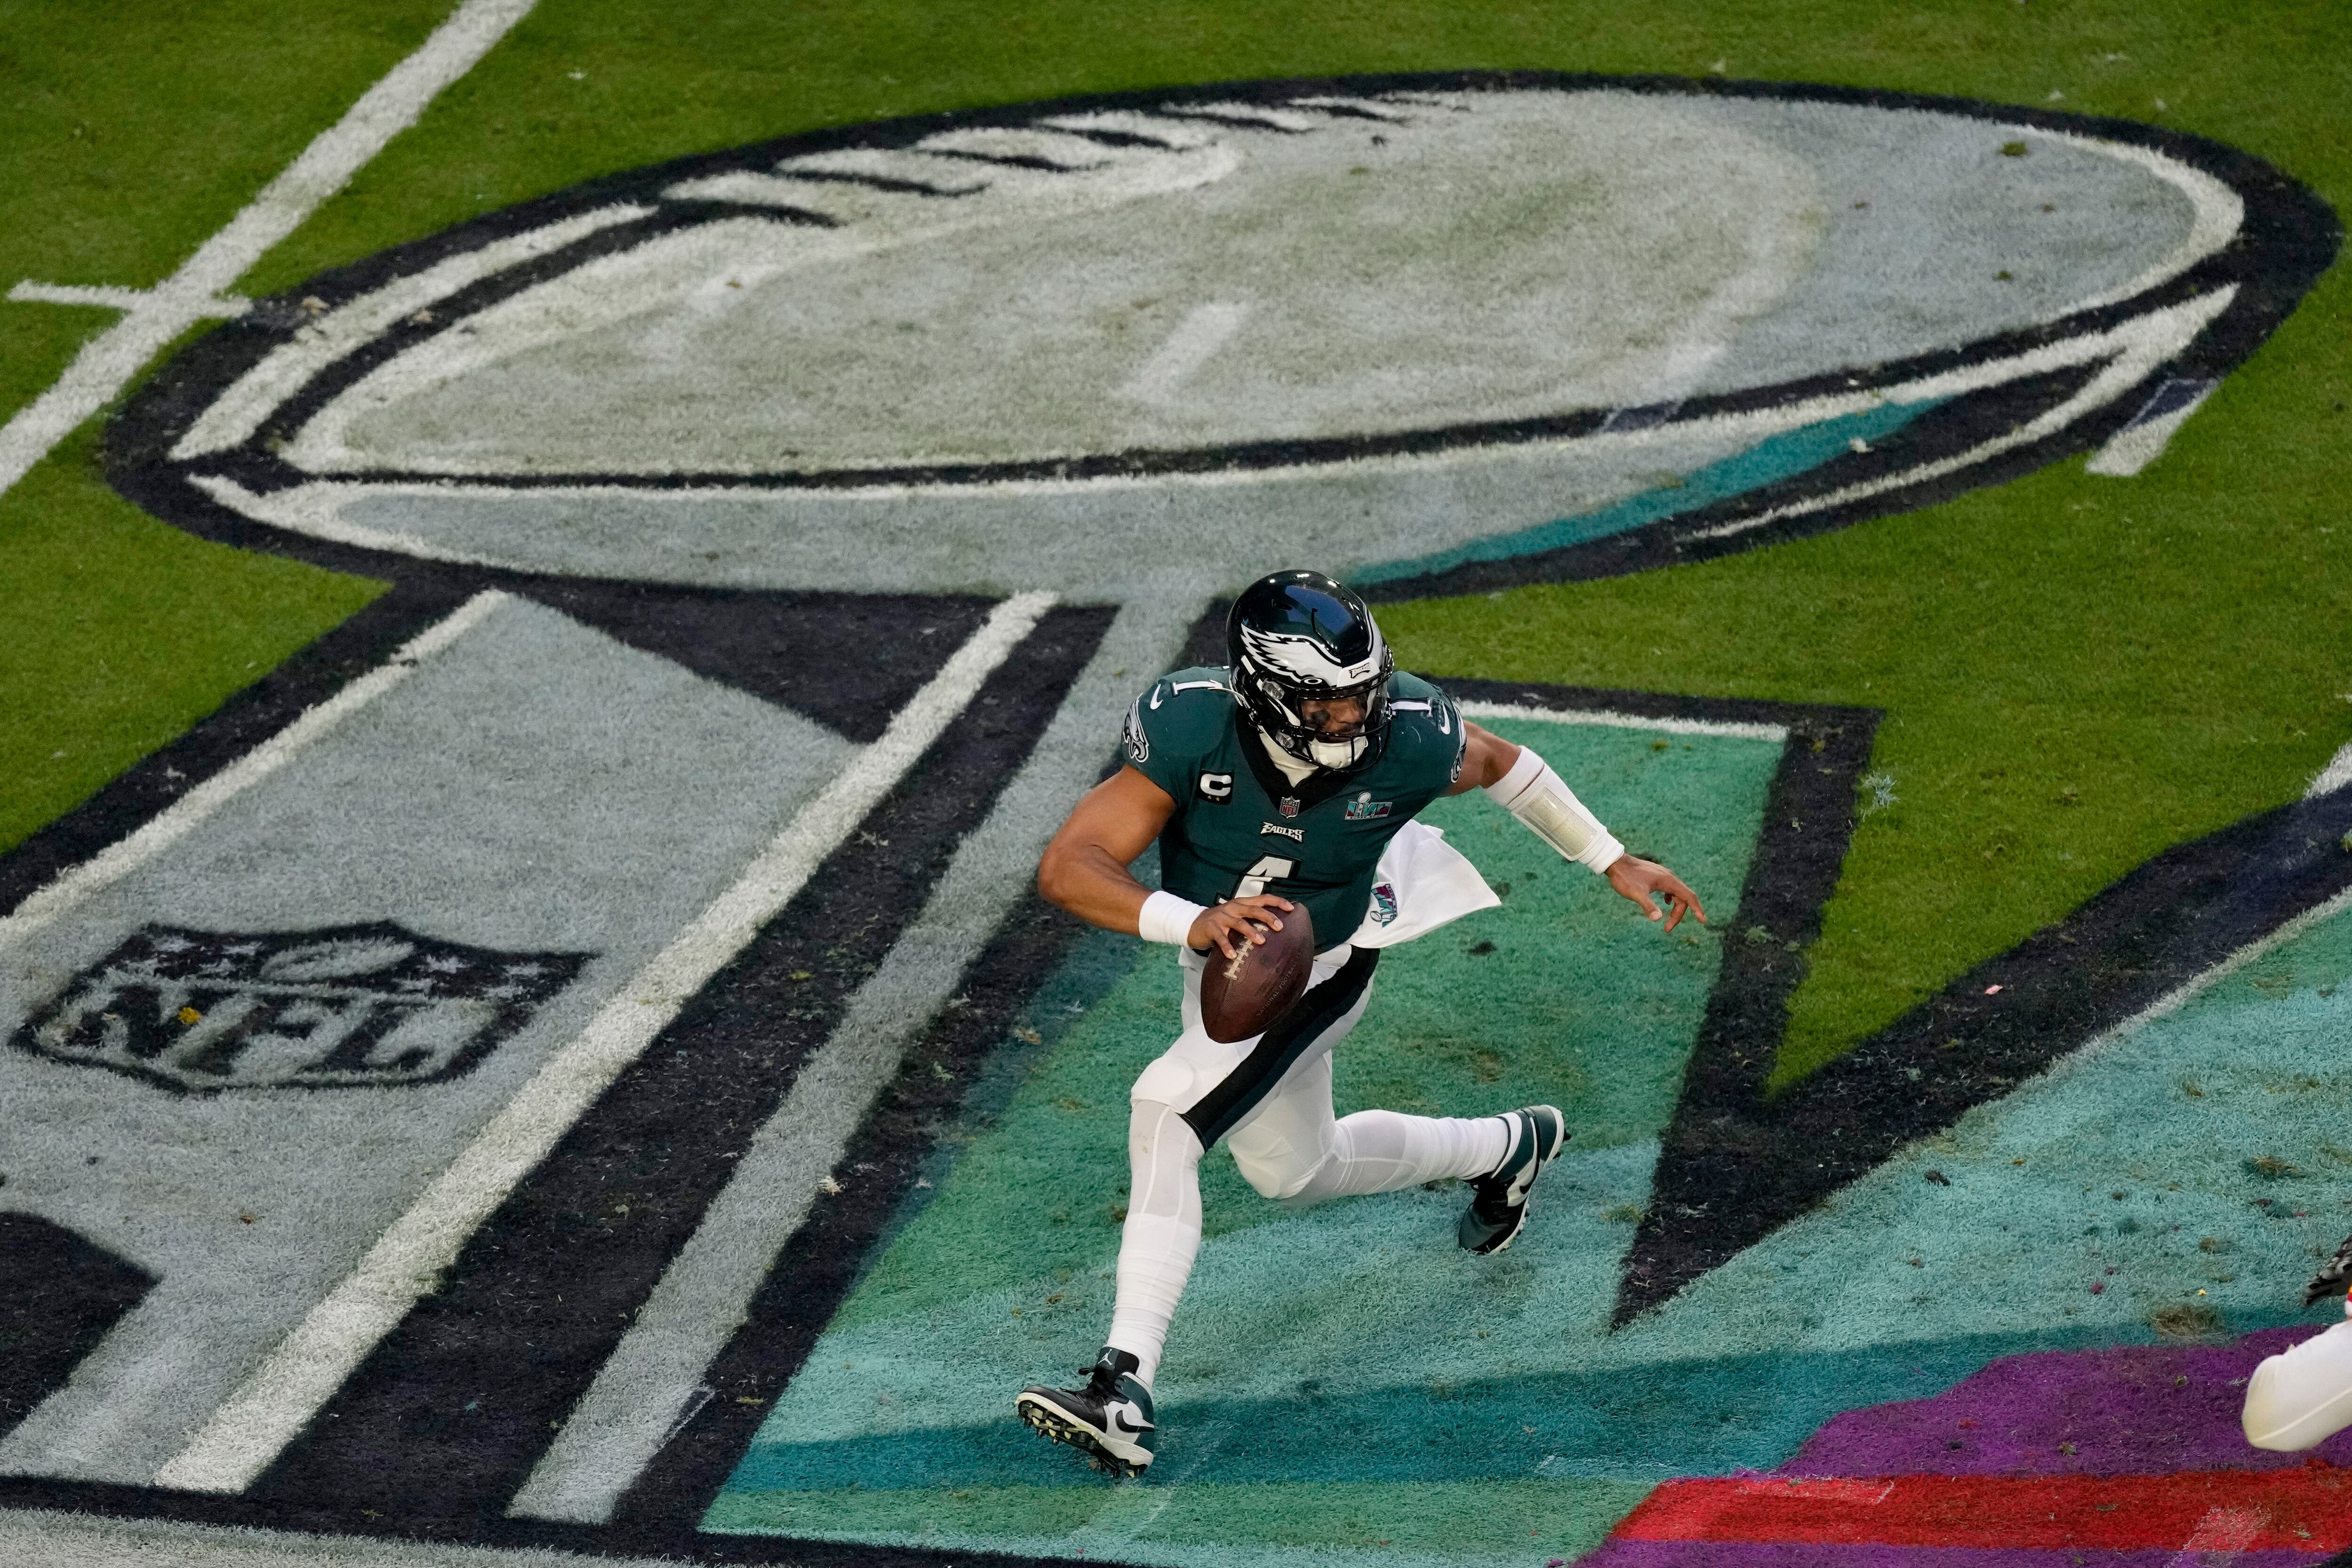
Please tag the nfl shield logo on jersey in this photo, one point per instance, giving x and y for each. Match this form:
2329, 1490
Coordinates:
1289, 805
202, 1011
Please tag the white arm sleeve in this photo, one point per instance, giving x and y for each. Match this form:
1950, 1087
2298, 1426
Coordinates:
1167, 918
1533, 793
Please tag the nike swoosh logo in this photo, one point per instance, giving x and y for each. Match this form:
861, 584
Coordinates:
1119, 1419
1155, 696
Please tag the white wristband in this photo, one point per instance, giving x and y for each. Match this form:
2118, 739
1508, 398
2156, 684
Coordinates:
1533, 793
1167, 918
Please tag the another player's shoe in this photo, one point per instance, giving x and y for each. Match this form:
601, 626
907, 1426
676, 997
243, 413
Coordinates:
1500, 1205
1109, 1420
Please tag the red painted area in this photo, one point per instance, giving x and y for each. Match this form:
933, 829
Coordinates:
2307, 1510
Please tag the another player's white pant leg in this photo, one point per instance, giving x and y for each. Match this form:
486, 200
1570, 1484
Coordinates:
2302, 1396
1293, 1149
1162, 1232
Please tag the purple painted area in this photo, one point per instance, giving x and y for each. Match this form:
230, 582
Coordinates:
1808, 1555
2134, 1410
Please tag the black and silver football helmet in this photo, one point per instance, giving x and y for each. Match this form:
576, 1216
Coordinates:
1297, 636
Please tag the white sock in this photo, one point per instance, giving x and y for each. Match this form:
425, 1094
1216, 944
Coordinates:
1386, 1151
1161, 1235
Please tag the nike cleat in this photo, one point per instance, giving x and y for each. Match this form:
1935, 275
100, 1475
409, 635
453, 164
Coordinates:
1109, 1420
1500, 1206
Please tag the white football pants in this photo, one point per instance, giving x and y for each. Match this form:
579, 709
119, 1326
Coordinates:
1291, 1146
2302, 1396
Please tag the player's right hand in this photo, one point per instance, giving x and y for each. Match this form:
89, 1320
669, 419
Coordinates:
1237, 922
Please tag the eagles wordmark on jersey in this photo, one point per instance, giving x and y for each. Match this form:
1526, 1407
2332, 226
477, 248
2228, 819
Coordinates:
1241, 827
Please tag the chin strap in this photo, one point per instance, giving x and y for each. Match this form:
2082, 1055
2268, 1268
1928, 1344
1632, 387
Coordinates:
1533, 793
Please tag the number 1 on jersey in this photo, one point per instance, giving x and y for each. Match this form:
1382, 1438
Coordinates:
1269, 868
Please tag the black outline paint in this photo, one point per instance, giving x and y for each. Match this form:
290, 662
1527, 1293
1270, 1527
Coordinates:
1736, 1164
2289, 237
67, 1292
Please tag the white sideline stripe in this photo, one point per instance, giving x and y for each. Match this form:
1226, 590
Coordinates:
29, 292
303, 1371
1615, 720
167, 827
45, 1537
2135, 447
108, 360
2334, 777
2173, 1000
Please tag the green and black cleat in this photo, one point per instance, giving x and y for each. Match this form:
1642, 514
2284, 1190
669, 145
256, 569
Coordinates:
1109, 1420
1500, 1206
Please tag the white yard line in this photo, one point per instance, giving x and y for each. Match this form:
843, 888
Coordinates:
105, 297
1205, 329
2334, 777
634, 1407
2142, 442
107, 361
1614, 721
167, 827
312, 1362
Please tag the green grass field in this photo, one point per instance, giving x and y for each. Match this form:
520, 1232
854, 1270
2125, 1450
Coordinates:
2076, 672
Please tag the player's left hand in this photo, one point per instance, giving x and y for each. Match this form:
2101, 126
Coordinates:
1645, 882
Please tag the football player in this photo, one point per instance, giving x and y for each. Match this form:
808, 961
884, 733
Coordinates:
1288, 780
2302, 1396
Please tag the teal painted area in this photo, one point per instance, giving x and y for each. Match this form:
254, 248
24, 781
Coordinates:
1767, 462
1003, 1278
1351, 1346
1285, 1525
1607, 1418
2171, 1113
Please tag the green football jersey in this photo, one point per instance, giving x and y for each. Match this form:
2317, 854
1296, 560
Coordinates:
1240, 827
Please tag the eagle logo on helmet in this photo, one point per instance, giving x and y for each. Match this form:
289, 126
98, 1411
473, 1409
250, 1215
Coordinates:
1295, 637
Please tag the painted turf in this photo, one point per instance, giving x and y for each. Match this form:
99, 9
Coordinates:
1525, 252
1001, 1279
249, 1208
780, 371
1287, 1375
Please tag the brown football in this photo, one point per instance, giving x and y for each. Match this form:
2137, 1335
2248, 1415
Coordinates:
1242, 996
